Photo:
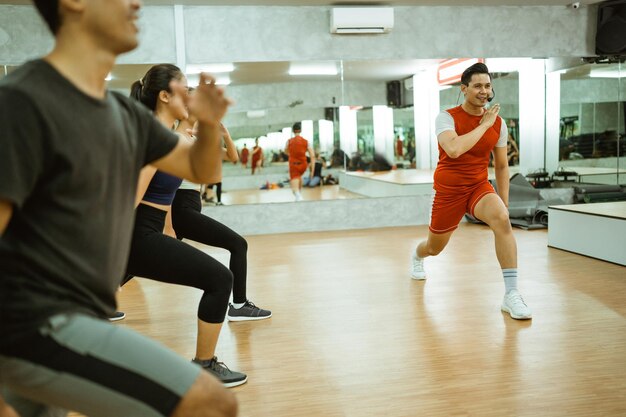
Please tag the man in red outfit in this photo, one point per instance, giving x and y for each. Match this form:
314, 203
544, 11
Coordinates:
467, 135
297, 148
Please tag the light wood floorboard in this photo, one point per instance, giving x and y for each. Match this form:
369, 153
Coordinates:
284, 195
352, 335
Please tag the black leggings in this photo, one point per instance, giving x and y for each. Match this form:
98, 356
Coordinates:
190, 223
162, 258
218, 190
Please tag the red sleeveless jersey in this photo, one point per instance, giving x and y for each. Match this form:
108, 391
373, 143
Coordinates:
297, 148
470, 168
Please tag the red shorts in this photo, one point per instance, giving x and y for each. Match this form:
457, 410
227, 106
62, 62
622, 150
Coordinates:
449, 208
297, 169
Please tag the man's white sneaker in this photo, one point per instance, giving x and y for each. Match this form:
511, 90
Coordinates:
417, 268
514, 304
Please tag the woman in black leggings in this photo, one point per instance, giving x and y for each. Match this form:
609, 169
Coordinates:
162, 258
189, 223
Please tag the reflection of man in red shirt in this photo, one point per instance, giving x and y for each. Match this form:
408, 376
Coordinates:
467, 135
245, 153
297, 148
257, 156
399, 150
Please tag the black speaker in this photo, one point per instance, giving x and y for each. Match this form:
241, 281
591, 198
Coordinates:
330, 113
394, 93
611, 30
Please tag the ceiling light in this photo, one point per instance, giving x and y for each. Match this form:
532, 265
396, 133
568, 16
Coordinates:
313, 68
607, 74
210, 68
194, 79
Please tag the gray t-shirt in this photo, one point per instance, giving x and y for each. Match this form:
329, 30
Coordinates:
69, 163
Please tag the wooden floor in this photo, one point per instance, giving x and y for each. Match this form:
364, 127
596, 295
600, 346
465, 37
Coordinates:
284, 195
353, 335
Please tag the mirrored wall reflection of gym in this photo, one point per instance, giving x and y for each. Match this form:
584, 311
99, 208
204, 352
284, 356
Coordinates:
356, 304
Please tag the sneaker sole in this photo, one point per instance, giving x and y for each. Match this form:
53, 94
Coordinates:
112, 319
247, 318
418, 277
516, 317
234, 383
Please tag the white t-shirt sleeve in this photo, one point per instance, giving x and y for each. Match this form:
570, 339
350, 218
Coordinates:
443, 122
503, 140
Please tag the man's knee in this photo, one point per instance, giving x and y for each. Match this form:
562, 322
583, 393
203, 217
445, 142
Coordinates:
207, 397
501, 222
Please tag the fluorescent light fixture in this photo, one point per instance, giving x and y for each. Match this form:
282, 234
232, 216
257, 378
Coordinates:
210, 68
383, 131
194, 79
313, 68
255, 114
326, 135
347, 130
307, 130
607, 74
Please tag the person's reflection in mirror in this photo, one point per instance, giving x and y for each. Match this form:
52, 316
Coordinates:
316, 179
257, 157
297, 148
245, 154
337, 158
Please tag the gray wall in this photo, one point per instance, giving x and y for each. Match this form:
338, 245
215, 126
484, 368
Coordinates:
243, 33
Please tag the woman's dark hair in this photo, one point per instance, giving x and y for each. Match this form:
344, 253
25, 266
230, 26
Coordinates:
157, 79
478, 68
49, 10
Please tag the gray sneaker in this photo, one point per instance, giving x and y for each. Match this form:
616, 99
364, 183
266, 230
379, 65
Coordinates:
247, 312
220, 371
117, 316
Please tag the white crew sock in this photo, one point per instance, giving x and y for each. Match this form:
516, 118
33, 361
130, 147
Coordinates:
510, 279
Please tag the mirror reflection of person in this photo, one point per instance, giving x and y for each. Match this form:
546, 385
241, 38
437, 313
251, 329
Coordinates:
512, 151
316, 179
297, 148
399, 148
467, 135
257, 157
245, 153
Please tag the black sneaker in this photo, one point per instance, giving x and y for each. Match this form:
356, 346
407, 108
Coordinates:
119, 315
247, 312
220, 371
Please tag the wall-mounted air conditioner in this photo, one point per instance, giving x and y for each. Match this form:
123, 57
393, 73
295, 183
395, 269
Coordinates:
358, 20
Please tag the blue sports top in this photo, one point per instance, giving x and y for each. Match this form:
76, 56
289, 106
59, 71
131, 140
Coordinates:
162, 189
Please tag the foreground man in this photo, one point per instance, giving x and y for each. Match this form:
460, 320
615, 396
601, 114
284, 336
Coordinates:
66, 213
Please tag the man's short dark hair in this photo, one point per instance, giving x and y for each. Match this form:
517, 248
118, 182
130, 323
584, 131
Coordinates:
478, 68
297, 127
49, 10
